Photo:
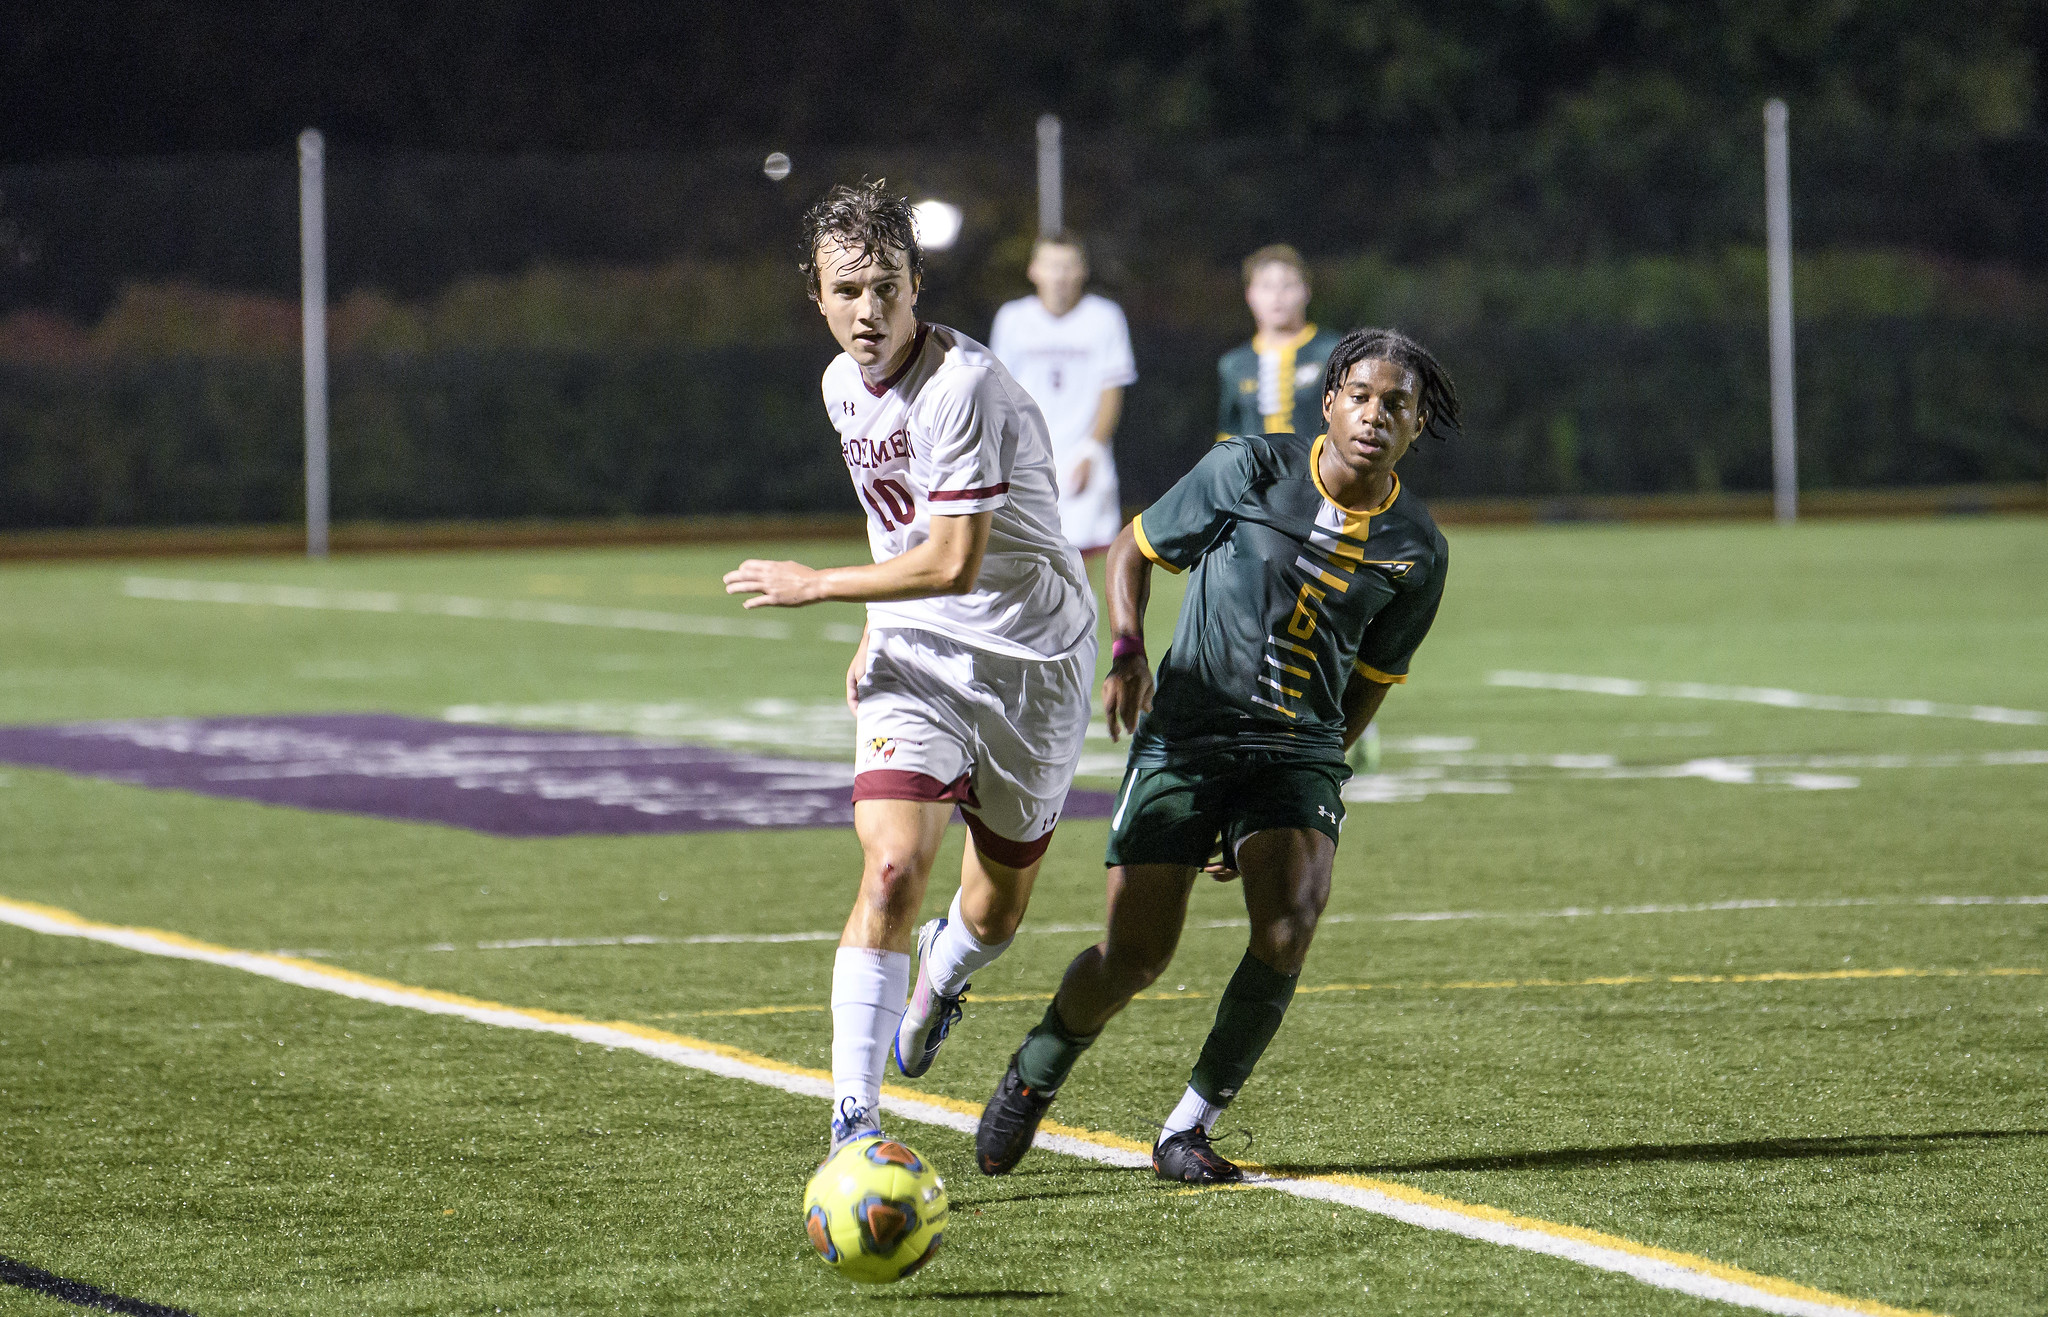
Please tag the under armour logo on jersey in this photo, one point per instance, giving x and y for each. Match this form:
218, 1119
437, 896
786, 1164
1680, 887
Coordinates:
1326, 812
847, 403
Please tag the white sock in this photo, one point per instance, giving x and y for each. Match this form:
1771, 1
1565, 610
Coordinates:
868, 992
1194, 1109
956, 953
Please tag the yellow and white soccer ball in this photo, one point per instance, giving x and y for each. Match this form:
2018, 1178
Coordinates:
876, 1210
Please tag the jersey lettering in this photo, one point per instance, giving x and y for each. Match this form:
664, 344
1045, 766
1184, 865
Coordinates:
865, 454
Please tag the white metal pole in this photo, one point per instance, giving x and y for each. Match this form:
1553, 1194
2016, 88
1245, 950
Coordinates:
1050, 202
313, 306
1778, 226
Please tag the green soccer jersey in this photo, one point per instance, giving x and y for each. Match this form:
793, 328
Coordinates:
1291, 594
1274, 387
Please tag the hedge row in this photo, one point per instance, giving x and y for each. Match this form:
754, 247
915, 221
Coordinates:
517, 433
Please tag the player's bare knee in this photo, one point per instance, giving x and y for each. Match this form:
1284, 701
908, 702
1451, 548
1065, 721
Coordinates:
1283, 943
1134, 969
894, 882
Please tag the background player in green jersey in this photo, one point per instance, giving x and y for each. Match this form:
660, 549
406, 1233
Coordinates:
1274, 383
1316, 576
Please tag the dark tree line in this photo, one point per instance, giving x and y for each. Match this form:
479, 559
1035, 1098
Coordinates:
138, 77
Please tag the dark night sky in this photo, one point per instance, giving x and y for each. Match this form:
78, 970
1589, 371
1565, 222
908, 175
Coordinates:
128, 77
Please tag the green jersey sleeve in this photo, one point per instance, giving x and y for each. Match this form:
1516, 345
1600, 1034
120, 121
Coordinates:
1189, 518
1396, 631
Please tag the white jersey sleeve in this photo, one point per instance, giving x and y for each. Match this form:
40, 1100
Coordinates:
967, 468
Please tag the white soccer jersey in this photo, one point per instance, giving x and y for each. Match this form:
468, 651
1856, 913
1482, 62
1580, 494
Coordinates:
1065, 362
951, 433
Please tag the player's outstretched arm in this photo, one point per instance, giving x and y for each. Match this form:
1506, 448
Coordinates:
948, 562
1127, 581
1362, 699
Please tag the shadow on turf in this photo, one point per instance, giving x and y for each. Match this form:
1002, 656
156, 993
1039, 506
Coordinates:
1846, 1145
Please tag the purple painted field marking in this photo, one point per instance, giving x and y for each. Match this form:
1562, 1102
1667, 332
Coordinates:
508, 783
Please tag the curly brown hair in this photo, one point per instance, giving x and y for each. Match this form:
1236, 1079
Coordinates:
865, 217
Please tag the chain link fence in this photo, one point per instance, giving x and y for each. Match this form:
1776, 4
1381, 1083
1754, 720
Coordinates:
626, 334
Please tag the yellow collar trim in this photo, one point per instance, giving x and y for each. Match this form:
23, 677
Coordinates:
1295, 344
1315, 470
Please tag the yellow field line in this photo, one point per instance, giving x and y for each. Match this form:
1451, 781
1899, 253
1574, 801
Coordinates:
1664, 1268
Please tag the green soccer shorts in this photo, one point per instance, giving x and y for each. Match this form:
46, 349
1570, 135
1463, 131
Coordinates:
1175, 811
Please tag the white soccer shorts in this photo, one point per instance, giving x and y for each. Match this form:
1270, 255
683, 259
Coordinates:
1000, 736
1090, 519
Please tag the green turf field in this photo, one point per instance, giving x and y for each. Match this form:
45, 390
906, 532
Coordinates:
1733, 1084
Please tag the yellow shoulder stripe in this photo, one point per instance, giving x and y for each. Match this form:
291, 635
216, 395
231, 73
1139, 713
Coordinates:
1145, 544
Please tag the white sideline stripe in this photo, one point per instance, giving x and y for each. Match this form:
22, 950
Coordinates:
1661, 1272
1417, 917
1781, 699
1663, 1269
446, 605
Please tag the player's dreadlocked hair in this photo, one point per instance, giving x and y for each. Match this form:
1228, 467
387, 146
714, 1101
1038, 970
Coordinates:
865, 217
1439, 401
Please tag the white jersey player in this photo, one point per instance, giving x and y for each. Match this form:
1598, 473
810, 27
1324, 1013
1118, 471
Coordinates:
1072, 353
971, 683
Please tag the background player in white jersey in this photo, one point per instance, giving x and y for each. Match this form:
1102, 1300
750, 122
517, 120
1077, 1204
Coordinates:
1072, 353
970, 685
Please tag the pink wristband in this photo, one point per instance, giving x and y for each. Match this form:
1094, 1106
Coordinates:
1123, 646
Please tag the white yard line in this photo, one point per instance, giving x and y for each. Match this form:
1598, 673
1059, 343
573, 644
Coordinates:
1661, 1268
1417, 917
440, 605
1780, 699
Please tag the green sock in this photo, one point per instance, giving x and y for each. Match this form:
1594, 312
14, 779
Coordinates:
1246, 1020
1050, 1050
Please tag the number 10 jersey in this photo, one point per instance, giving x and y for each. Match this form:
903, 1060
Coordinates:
950, 434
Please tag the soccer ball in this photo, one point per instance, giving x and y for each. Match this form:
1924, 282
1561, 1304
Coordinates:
876, 1210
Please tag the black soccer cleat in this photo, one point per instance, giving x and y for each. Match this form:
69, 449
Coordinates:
1009, 1122
1190, 1158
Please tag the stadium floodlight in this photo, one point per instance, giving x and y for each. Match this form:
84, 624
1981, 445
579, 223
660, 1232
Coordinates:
1778, 237
313, 313
937, 224
776, 166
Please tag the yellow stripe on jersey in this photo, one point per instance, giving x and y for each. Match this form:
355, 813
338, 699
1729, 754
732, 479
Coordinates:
1145, 544
1383, 678
1290, 645
1336, 548
1357, 521
1282, 422
1336, 583
1292, 671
